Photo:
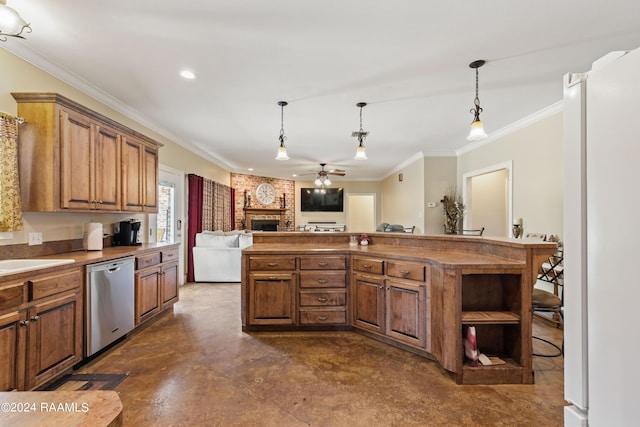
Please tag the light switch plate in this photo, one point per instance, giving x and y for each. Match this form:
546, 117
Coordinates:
35, 238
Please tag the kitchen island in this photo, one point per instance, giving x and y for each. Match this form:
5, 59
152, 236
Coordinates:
415, 292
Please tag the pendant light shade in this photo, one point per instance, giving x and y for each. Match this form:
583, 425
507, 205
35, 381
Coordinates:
477, 127
361, 135
11, 23
282, 150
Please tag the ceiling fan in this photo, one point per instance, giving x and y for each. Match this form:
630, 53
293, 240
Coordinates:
322, 176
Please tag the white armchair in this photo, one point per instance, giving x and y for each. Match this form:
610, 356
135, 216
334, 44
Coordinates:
217, 255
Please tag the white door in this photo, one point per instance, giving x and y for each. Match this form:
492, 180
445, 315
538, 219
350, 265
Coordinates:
486, 194
361, 213
170, 220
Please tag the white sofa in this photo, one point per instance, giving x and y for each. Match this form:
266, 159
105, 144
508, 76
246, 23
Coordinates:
217, 255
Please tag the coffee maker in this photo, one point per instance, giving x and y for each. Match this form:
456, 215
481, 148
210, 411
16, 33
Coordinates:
128, 233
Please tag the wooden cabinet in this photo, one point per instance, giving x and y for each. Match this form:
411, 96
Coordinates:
79, 160
41, 336
12, 350
272, 299
139, 176
156, 283
390, 299
322, 296
55, 338
89, 164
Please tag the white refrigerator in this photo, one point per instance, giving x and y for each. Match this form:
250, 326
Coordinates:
602, 255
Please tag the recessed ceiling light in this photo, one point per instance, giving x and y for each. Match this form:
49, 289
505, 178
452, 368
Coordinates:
294, 175
250, 169
188, 74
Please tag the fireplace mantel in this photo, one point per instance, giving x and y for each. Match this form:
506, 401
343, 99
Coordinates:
249, 213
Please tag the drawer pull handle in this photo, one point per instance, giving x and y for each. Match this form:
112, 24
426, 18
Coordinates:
35, 318
404, 272
322, 280
323, 264
272, 264
366, 266
273, 278
148, 261
24, 323
169, 255
323, 299
322, 318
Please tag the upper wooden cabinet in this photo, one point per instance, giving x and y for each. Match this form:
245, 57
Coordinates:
74, 159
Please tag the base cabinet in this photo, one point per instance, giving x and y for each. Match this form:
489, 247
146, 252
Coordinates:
55, 338
156, 283
41, 336
390, 299
272, 299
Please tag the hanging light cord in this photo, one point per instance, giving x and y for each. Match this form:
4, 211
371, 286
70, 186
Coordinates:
361, 133
282, 137
477, 109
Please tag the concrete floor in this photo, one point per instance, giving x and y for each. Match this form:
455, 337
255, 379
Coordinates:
195, 367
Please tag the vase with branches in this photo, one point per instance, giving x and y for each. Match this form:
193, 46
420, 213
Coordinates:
453, 211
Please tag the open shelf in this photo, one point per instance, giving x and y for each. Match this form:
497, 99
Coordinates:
490, 317
508, 373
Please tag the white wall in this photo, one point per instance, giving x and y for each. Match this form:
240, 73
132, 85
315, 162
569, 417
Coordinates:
536, 152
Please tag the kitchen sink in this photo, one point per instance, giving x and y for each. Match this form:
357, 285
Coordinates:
11, 266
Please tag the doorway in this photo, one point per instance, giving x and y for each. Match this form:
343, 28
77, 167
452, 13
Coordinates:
487, 195
170, 218
361, 213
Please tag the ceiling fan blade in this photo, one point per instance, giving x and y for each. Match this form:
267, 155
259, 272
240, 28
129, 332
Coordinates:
337, 173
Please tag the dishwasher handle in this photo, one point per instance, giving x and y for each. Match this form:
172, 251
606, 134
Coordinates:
113, 270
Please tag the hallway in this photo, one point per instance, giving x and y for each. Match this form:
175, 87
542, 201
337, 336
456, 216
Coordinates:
196, 367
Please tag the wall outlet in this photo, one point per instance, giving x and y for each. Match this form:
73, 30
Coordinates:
35, 238
431, 204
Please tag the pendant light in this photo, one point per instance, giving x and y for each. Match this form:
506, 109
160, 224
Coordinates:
477, 128
282, 150
11, 23
361, 135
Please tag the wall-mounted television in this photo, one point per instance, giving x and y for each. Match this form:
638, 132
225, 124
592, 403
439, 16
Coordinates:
321, 199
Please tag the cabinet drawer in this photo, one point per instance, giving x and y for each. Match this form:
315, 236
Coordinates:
323, 317
12, 295
148, 260
323, 298
46, 285
406, 270
323, 279
272, 263
368, 265
323, 263
167, 255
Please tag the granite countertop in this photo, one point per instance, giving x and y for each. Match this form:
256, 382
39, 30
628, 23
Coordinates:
60, 408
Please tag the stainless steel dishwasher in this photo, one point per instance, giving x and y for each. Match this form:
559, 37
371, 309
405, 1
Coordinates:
109, 302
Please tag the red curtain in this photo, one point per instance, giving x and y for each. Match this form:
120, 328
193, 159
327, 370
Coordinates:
196, 187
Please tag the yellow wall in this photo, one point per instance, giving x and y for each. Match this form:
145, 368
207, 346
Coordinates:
403, 200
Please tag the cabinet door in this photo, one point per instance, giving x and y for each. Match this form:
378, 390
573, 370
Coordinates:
12, 335
147, 294
54, 338
272, 299
368, 304
76, 161
150, 179
139, 176
169, 284
107, 169
406, 314
131, 175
